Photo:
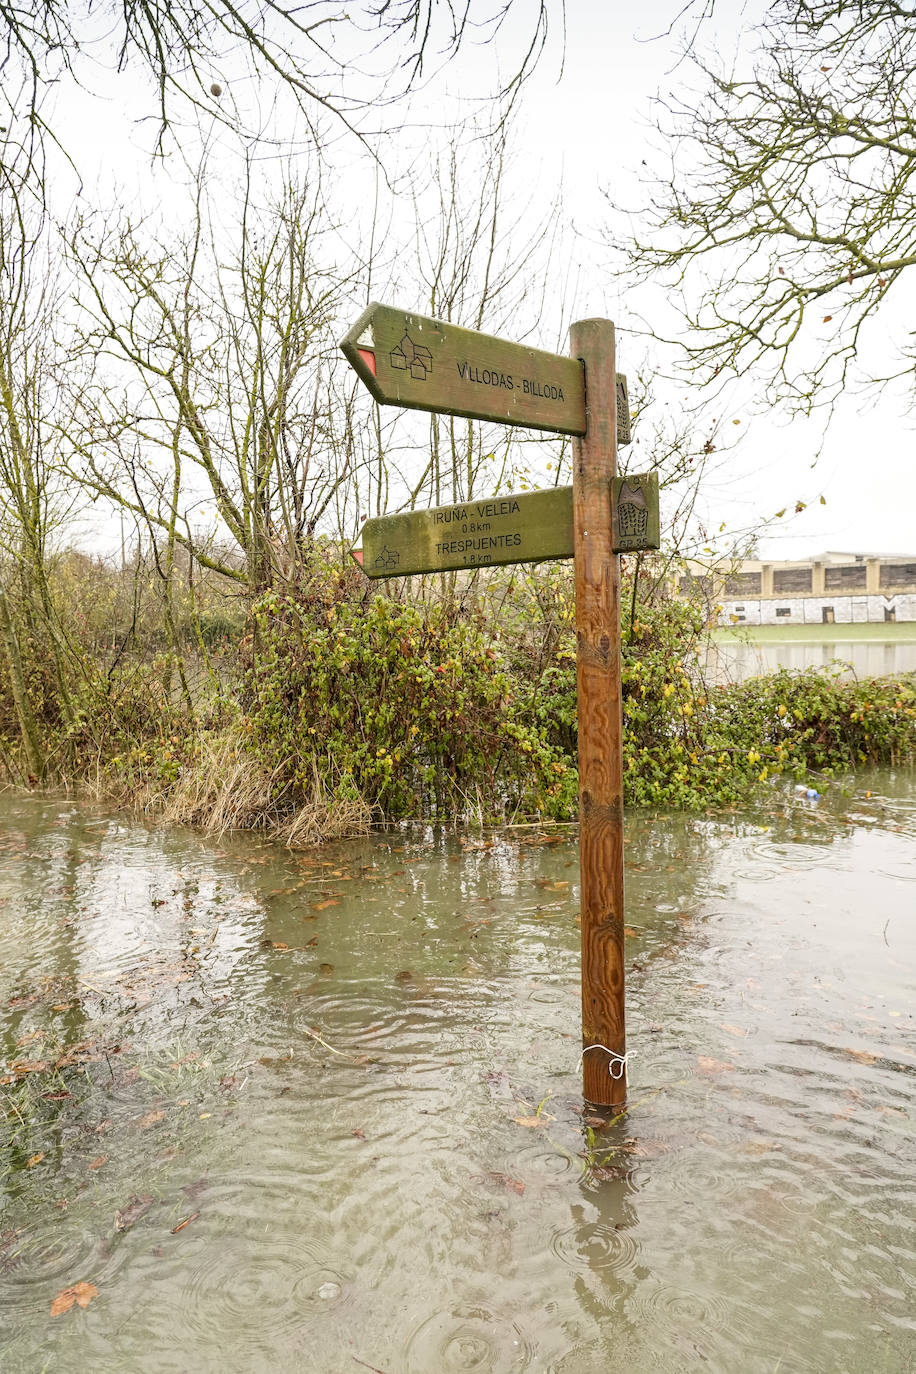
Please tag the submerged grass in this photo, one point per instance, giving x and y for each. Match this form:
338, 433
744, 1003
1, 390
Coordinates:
223, 787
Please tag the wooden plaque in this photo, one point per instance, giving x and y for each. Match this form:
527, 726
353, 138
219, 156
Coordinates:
634, 513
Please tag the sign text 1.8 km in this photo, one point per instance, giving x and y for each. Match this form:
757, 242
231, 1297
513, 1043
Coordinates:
426, 364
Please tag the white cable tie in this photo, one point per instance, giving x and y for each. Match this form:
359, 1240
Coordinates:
618, 1063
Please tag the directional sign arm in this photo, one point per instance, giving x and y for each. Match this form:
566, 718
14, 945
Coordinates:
427, 364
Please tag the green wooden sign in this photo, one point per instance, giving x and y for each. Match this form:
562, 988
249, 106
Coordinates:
426, 364
525, 528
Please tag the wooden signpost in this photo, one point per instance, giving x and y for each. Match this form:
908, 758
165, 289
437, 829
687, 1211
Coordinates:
425, 364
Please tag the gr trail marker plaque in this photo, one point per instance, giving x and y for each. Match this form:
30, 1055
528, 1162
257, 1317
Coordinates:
427, 364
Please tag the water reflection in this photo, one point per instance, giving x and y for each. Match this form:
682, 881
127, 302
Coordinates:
734, 660
323, 1110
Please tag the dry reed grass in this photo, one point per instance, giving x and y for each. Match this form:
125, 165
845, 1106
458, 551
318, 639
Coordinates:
227, 789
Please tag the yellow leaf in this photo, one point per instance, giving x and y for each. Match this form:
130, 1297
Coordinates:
36, 1159
529, 1121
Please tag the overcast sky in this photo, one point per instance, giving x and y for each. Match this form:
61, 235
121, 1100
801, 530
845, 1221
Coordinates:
591, 129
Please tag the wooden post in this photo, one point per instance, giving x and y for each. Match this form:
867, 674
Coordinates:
600, 723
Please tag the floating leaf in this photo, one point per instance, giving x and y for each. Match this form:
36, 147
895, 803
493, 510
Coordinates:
862, 1056
734, 1030
707, 1065
528, 1121
137, 1207
97, 1163
150, 1119
323, 906
80, 1293
514, 1184
35, 1159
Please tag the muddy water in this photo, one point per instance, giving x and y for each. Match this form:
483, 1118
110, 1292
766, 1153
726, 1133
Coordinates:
321, 1112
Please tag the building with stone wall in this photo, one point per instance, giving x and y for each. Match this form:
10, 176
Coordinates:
834, 588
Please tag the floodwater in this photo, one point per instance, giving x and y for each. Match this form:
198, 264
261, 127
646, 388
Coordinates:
734, 660
321, 1112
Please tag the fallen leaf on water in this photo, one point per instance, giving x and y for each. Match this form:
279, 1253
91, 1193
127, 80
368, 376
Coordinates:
322, 906
35, 1159
192, 1191
136, 1208
150, 1119
278, 944
515, 1184
862, 1056
182, 1224
97, 1163
707, 1065
630, 930
734, 1030
81, 1293
528, 1120
360, 1135
325, 970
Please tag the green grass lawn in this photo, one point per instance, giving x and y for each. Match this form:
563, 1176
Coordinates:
880, 632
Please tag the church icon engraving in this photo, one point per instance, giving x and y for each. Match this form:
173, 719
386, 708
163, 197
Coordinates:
388, 558
412, 358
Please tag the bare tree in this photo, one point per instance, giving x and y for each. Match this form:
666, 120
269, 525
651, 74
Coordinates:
209, 358
33, 500
787, 216
340, 61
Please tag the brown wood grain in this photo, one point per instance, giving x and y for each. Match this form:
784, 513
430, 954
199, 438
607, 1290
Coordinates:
600, 723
